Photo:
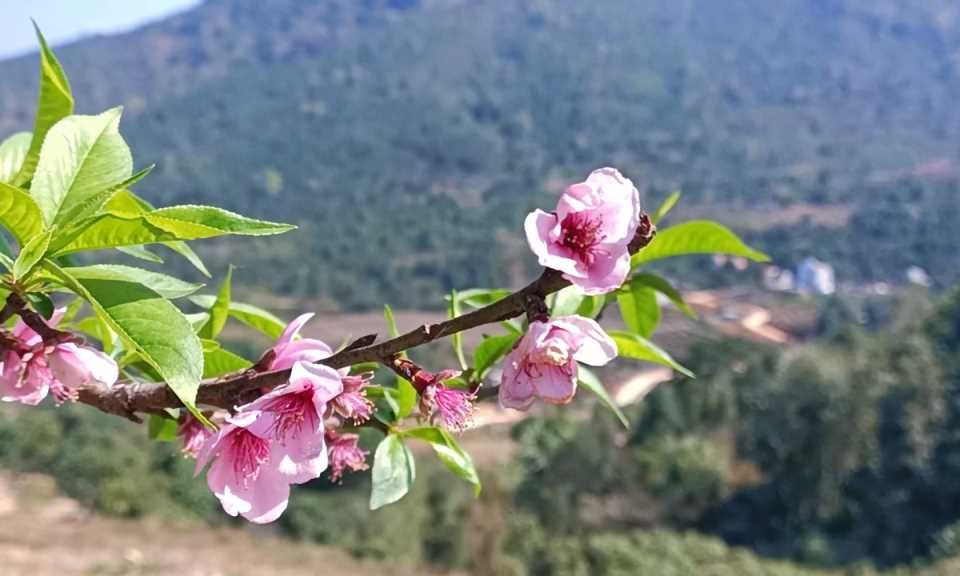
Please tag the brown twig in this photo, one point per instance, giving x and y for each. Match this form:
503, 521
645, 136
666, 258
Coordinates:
126, 399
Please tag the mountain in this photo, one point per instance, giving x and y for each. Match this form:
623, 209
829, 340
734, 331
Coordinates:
408, 138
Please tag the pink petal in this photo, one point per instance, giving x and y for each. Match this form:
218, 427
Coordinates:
293, 329
515, 390
596, 348
608, 273
556, 386
539, 227
268, 498
325, 380
75, 366
293, 464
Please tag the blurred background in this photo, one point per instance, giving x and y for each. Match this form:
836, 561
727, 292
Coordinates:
409, 138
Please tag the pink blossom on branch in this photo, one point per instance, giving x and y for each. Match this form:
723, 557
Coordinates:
289, 349
453, 407
344, 454
292, 416
544, 363
245, 474
31, 371
588, 237
352, 404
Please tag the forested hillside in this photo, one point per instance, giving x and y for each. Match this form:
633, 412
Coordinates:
401, 135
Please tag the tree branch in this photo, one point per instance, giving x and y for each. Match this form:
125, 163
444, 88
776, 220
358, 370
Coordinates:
224, 392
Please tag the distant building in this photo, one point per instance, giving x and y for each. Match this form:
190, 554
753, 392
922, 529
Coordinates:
919, 276
815, 277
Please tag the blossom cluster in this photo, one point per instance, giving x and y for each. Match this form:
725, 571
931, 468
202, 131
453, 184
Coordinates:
31, 369
295, 432
587, 239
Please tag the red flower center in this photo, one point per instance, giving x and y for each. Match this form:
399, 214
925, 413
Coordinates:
291, 412
250, 452
580, 234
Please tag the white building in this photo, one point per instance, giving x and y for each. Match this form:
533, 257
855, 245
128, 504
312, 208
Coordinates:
815, 277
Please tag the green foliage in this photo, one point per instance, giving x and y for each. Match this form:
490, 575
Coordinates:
393, 472
13, 151
449, 452
637, 347
695, 237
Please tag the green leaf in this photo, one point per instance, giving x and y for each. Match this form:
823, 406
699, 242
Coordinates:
220, 310
592, 306
662, 286
252, 316
491, 350
41, 303
13, 151
19, 213
190, 222
480, 297
566, 302
81, 159
449, 452
54, 103
665, 208
393, 472
161, 428
148, 324
406, 397
183, 249
165, 286
123, 228
590, 381
138, 251
639, 308
454, 310
639, 348
30, 255
94, 203
218, 361
695, 237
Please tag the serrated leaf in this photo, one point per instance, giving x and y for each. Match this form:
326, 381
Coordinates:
665, 208
218, 361
31, 254
161, 428
695, 237
393, 472
82, 157
166, 286
19, 213
141, 253
639, 308
252, 316
590, 381
190, 222
95, 202
449, 452
639, 348
220, 310
54, 103
490, 351
13, 151
120, 228
148, 324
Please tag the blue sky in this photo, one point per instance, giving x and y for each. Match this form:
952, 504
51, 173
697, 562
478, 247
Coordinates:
66, 20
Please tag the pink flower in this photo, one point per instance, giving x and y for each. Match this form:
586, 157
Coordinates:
587, 238
246, 472
32, 370
76, 366
24, 378
344, 454
194, 434
291, 415
544, 363
451, 406
353, 403
289, 350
